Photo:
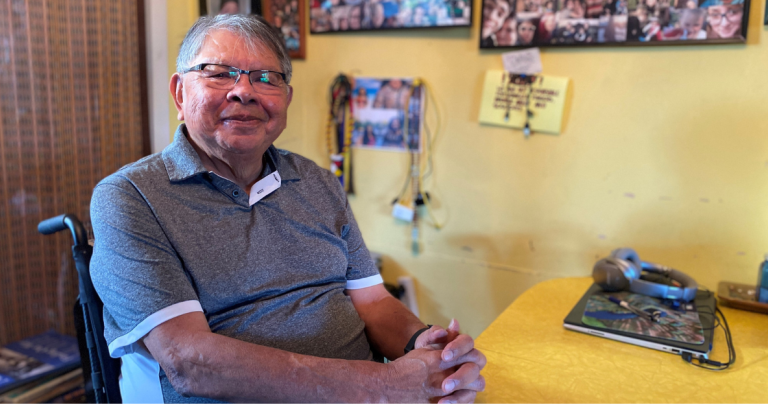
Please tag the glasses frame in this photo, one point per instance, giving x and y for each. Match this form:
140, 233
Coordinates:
240, 72
724, 16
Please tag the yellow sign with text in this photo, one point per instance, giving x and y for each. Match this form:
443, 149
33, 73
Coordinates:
509, 98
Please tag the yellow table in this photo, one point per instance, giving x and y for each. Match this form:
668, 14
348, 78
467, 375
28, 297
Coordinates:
533, 359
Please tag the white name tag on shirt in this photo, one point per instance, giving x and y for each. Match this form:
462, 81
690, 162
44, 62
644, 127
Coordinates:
264, 187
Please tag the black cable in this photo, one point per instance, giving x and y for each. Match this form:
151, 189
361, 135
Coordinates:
705, 363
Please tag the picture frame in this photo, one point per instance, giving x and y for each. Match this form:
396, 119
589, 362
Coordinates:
214, 7
293, 28
550, 23
289, 16
380, 109
331, 16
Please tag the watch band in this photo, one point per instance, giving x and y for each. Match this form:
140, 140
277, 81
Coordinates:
412, 342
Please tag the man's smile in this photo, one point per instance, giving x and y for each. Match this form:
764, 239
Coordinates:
241, 118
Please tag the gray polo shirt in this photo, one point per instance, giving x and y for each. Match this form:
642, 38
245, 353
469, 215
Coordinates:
268, 266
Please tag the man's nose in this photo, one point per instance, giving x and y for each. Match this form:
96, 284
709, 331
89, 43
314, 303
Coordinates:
243, 91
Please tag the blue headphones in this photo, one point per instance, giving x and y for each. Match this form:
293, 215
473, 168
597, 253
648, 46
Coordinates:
622, 270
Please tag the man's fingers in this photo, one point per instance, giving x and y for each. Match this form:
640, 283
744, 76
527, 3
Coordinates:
432, 336
462, 378
454, 325
461, 396
453, 330
477, 385
473, 356
458, 347
436, 334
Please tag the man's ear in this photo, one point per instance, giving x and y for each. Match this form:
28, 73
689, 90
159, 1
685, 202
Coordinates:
176, 87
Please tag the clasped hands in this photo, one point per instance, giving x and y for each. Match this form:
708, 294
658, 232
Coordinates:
447, 364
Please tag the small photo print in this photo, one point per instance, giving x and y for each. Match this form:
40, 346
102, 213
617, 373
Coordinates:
380, 107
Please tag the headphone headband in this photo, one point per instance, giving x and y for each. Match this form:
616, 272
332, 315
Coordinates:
622, 269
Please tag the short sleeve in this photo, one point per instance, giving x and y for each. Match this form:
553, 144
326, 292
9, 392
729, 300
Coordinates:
361, 269
134, 268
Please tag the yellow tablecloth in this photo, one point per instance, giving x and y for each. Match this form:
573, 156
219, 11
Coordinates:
533, 359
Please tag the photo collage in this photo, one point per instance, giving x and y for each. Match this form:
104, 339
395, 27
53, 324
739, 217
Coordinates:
379, 107
523, 23
357, 15
285, 15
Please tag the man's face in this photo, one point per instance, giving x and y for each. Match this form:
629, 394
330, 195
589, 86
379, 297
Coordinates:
494, 13
235, 121
725, 20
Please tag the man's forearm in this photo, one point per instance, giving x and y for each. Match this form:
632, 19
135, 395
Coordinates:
389, 325
214, 366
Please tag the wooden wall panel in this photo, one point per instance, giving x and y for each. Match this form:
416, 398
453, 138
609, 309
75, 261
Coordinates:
71, 112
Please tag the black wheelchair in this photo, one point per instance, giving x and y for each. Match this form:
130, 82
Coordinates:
100, 372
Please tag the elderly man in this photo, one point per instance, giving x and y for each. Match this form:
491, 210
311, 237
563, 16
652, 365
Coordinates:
233, 271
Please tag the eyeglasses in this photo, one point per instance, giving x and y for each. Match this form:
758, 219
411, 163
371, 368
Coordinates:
225, 77
731, 15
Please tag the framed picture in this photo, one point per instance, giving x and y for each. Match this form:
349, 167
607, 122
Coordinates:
542, 23
364, 15
379, 106
213, 7
288, 16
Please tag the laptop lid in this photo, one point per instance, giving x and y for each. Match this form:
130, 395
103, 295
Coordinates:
705, 305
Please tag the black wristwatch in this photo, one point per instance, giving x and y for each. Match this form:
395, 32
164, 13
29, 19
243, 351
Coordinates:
412, 342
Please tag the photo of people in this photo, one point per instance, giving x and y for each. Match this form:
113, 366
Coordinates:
357, 15
379, 108
287, 16
228, 7
534, 23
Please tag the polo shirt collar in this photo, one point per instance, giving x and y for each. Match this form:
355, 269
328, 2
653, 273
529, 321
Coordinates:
182, 162
180, 158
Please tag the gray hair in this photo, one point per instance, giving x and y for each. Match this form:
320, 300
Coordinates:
253, 29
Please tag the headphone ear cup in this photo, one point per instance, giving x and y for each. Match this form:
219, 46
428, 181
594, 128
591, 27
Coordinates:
609, 275
631, 256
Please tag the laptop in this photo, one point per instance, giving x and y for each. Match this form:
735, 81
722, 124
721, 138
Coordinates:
692, 331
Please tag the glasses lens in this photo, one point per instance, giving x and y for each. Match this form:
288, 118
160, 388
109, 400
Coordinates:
733, 15
220, 76
267, 81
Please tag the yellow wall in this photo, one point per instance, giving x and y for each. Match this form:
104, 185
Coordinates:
664, 150
181, 15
